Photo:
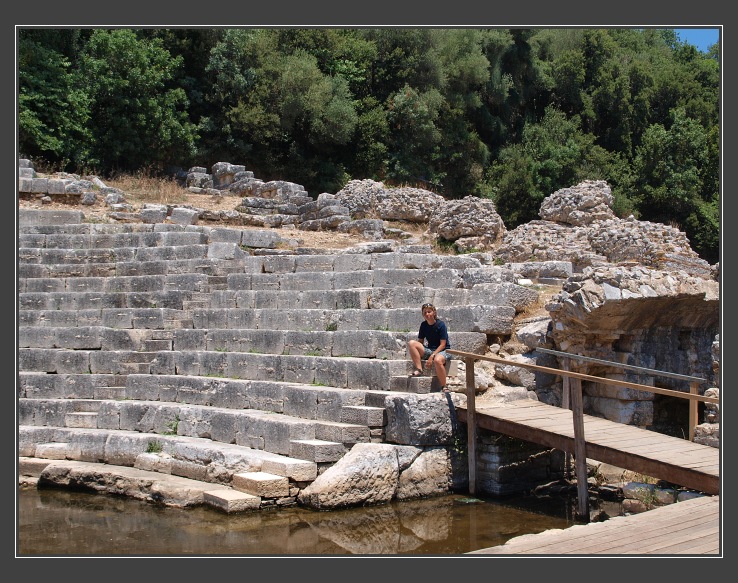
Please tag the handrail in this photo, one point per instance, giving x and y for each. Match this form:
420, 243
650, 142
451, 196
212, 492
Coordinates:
576, 408
632, 367
586, 377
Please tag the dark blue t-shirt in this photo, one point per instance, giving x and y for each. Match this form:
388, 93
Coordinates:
434, 334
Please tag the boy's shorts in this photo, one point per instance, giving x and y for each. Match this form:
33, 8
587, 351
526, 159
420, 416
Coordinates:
428, 352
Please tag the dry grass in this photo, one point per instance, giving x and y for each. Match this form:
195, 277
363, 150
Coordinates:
143, 187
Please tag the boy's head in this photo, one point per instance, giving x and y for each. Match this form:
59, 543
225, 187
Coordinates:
428, 308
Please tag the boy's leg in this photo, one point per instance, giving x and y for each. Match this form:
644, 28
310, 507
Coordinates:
415, 350
440, 362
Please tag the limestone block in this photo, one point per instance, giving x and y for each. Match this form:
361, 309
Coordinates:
52, 451
192, 470
231, 501
154, 462
57, 186
152, 215
296, 469
261, 484
225, 251
428, 475
368, 474
28, 466
25, 183
419, 419
316, 450
81, 419
40, 185
184, 216
341, 432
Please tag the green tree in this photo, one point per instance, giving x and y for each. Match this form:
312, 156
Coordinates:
554, 154
53, 106
414, 136
242, 124
138, 119
676, 181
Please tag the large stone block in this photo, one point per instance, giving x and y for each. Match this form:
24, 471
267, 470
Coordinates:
261, 484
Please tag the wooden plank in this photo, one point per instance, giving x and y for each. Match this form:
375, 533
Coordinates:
689, 527
471, 432
580, 450
672, 541
660, 456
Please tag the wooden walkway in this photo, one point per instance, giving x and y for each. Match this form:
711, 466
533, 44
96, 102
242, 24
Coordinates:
691, 527
678, 461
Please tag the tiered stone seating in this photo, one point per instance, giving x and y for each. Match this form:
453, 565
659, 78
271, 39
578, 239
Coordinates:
187, 352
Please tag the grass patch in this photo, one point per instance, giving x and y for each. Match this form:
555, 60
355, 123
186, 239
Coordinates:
172, 426
154, 447
144, 186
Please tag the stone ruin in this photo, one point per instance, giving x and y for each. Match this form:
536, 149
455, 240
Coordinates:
632, 291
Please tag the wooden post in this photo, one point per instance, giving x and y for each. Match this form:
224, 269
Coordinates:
693, 403
566, 404
580, 449
471, 425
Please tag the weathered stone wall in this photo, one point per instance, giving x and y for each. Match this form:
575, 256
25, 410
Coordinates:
636, 316
511, 466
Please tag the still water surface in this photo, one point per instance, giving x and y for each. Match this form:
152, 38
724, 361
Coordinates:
58, 522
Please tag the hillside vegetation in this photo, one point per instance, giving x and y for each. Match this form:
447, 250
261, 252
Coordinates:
507, 114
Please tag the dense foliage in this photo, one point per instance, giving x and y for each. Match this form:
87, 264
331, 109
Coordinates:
508, 114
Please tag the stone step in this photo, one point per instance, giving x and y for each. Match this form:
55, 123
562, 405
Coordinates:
342, 372
343, 260
145, 484
118, 318
81, 419
488, 301
354, 373
44, 222
87, 405
194, 282
190, 305
346, 407
295, 399
256, 239
317, 450
231, 501
262, 484
256, 429
71, 386
52, 451
127, 368
188, 456
156, 345
359, 343
468, 324
209, 265
111, 393
424, 383
98, 300
45, 256
440, 278
364, 415
110, 240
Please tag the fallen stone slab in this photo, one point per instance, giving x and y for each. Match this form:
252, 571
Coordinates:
165, 489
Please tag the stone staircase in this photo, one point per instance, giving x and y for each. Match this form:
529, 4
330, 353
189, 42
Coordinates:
211, 355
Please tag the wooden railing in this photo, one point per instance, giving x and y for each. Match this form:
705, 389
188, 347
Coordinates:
572, 398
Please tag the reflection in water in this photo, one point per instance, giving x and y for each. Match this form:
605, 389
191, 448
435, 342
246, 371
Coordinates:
55, 522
